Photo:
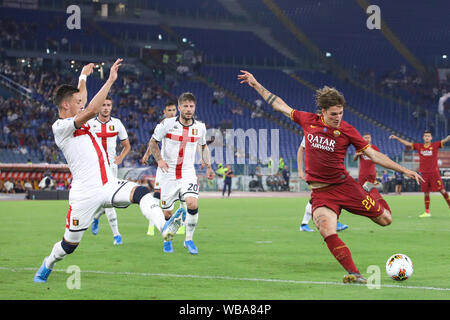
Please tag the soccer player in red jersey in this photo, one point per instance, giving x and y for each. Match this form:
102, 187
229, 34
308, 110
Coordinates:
367, 171
428, 166
333, 189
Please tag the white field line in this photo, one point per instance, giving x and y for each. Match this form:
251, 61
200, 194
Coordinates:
171, 275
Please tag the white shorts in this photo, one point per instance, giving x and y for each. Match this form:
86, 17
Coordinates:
173, 190
83, 206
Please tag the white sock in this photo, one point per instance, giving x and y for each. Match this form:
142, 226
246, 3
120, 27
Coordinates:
308, 213
191, 224
152, 211
56, 255
111, 214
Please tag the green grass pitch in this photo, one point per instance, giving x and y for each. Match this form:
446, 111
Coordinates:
249, 249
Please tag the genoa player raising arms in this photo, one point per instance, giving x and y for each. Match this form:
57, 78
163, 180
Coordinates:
94, 186
428, 167
333, 189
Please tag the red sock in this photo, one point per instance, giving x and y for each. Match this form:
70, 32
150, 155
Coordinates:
378, 197
340, 251
447, 198
427, 202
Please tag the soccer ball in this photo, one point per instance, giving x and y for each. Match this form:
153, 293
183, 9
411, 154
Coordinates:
399, 267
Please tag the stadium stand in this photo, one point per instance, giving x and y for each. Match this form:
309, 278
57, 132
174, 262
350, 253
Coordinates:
386, 94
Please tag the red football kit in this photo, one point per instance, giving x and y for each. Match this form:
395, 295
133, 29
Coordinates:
367, 169
428, 167
325, 149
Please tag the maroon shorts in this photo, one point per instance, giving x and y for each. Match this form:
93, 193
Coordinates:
433, 182
350, 196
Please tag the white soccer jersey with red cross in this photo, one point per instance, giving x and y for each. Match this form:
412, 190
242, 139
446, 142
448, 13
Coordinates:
85, 157
107, 133
179, 145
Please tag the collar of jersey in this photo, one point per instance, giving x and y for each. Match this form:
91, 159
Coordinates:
193, 121
96, 118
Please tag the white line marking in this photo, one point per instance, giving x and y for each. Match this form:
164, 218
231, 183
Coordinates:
171, 275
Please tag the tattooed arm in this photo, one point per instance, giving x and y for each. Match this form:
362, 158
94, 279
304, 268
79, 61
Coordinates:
276, 102
156, 152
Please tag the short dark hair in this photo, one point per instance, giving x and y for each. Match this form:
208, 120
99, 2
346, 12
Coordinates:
186, 96
427, 131
327, 97
109, 98
367, 134
170, 103
63, 92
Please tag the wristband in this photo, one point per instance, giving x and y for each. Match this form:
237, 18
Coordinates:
82, 77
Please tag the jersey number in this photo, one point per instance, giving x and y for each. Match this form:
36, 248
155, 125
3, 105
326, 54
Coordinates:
368, 203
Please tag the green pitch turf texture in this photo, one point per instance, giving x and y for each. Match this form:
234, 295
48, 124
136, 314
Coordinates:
248, 249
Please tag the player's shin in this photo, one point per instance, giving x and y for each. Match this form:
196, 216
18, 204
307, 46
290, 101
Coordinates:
111, 214
191, 223
59, 251
341, 252
152, 211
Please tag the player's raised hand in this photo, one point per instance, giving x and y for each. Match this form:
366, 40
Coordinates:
114, 70
247, 77
414, 175
88, 69
392, 136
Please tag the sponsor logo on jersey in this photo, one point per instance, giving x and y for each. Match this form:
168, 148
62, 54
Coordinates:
427, 153
322, 143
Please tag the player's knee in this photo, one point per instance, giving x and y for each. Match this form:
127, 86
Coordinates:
139, 193
191, 203
68, 247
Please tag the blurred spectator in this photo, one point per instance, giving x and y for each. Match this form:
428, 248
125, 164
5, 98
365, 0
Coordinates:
9, 186
47, 183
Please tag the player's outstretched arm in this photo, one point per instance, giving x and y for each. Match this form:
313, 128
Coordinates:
384, 161
444, 141
96, 103
85, 72
276, 102
402, 141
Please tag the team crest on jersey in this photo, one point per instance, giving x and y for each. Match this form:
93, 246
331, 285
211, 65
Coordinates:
194, 132
111, 127
336, 133
75, 222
